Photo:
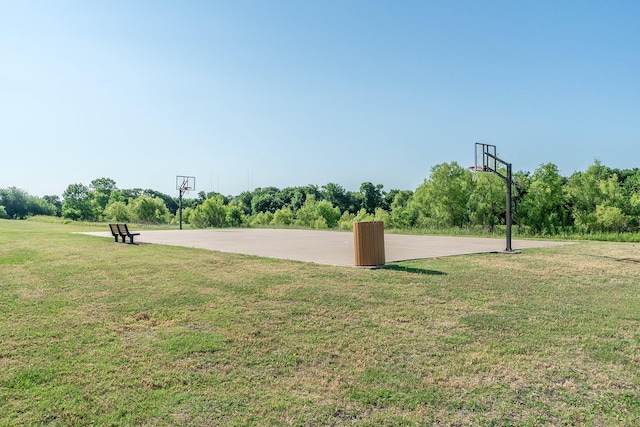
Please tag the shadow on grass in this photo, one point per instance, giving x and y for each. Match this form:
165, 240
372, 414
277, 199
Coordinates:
634, 260
414, 270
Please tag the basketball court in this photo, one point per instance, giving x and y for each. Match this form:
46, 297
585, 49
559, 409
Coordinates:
335, 247
323, 247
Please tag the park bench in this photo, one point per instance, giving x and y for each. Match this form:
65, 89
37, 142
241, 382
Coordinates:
123, 231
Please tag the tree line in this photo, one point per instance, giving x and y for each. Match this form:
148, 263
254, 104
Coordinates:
599, 199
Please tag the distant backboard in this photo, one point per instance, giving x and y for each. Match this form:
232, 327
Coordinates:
485, 158
185, 183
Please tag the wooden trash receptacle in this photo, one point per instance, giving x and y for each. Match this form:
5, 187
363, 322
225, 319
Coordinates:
368, 243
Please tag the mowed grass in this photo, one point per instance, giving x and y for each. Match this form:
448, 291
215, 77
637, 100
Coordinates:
98, 333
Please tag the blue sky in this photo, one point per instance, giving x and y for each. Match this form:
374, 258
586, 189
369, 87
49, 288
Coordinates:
245, 94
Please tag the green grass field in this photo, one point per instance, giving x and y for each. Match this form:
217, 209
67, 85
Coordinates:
98, 333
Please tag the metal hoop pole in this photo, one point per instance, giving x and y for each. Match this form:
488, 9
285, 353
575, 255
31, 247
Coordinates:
508, 217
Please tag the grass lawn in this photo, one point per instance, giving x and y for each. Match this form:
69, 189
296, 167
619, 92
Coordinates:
98, 333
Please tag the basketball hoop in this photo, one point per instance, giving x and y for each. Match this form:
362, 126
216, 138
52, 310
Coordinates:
487, 160
184, 184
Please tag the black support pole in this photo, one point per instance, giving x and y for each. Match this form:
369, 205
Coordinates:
180, 207
508, 218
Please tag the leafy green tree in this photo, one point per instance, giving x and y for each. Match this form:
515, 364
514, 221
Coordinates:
346, 220
585, 191
78, 204
329, 213
186, 213
118, 196
297, 198
388, 199
487, 202
38, 206
371, 196
3, 213
544, 206
283, 216
262, 218
117, 211
316, 214
522, 182
129, 194
15, 202
170, 202
55, 201
307, 214
362, 216
384, 216
102, 188
441, 201
211, 213
631, 197
339, 197
235, 215
243, 200
402, 216
266, 200
18, 204
610, 219
149, 209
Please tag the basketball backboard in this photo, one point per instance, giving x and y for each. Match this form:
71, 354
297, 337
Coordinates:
485, 157
185, 183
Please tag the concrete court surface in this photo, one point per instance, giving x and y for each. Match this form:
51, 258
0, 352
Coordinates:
323, 247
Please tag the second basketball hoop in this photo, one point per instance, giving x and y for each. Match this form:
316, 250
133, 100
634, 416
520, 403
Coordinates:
183, 184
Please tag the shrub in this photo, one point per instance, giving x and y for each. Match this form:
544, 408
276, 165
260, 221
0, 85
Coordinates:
235, 215
346, 221
263, 218
320, 224
211, 213
382, 215
116, 211
283, 216
186, 213
329, 213
148, 209
610, 218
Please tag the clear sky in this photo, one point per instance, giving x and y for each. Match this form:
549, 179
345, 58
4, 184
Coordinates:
245, 94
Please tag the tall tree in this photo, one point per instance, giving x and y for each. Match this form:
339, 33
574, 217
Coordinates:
15, 202
102, 188
149, 209
585, 191
55, 201
211, 213
544, 208
266, 200
371, 196
402, 215
78, 204
487, 202
441, 201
